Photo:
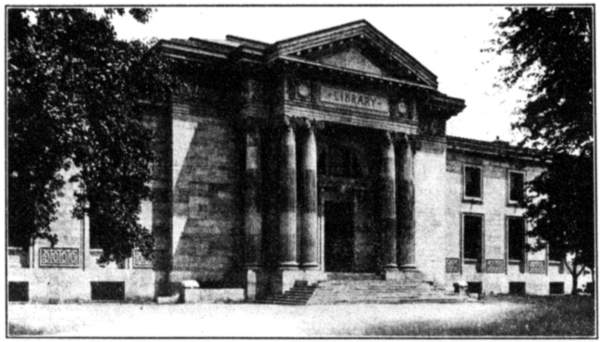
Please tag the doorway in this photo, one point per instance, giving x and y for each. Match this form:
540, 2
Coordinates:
339, 236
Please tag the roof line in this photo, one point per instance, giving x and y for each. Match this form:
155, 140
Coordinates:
333, 28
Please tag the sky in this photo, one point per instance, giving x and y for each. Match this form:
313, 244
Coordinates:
447, 40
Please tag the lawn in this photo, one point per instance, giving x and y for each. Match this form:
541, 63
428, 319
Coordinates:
493, 316
534, 316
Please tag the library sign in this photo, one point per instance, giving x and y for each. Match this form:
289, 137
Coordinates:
354, 99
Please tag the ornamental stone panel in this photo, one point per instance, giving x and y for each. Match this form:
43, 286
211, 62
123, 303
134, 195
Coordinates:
59, 257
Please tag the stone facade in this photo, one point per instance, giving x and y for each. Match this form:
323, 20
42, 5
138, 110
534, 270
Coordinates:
282, 162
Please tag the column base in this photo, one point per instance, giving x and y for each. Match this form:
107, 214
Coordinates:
309, 265
288, 265
391, 273
250, 289
408, 267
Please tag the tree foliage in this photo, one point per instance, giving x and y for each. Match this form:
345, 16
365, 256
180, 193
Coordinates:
72, 94
554, 45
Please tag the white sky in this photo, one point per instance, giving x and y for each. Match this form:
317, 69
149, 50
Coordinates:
447, 40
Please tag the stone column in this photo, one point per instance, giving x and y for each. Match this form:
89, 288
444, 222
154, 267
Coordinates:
252, 214
287, 213
406, 205
388, 203
308, 199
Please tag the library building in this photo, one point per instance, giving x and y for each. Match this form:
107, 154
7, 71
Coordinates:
312, 170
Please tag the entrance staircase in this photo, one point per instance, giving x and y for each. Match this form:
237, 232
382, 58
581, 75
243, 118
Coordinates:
364, 288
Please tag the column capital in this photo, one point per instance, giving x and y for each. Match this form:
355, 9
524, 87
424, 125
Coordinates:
251, 124
387, 138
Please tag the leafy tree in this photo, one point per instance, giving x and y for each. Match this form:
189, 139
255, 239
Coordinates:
73, 90
551, 49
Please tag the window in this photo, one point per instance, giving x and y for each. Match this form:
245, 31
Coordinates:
516, 288
94, 233
472, 182
108, 290
474, 287
18, 291
472, 236
14, 238
554, 254
339, 161
557, 288
515, 187
516, 238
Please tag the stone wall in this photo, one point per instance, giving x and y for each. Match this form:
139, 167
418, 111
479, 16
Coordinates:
430, 190
64, 273
206, 195
495, 210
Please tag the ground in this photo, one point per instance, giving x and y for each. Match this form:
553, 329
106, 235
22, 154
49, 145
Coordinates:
505, 316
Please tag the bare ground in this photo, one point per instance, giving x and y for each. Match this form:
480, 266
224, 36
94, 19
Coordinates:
234, 320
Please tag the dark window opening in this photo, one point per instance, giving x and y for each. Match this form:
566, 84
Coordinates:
516, 186
516, 238
472, 182
339, 161
516, 288
557, 288
14, 238
94, 234
472, 237
554, 254
108, 290
474, 287
18, 291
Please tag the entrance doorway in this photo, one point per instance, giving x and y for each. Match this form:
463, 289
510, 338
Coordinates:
339, 236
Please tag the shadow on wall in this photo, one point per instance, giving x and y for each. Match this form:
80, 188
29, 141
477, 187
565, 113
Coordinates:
207, 218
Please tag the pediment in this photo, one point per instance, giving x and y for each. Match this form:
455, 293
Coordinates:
357, 46
352, 58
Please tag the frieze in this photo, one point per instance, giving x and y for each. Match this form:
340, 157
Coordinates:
59, 257
494, 266
452, 265
139, 261
354, 99
536, 266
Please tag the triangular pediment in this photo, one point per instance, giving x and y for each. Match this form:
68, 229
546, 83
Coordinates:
352, 58
356, 46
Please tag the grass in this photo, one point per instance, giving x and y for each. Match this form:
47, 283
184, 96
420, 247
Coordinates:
18, 329
540, 316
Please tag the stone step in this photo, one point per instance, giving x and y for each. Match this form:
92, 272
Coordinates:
352, 276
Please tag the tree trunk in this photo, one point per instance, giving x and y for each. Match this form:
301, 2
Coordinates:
574, 278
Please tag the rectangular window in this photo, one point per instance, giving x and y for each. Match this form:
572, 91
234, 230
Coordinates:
474, 287
18, 291
516, 288
515, 187
94, 233
108, 290
472, 182
554, 254
472, 236
557, 288
516, 238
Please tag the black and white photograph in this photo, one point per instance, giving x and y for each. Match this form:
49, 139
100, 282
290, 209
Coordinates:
300, 170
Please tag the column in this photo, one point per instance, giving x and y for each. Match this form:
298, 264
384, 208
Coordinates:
287, 218
252, 215
388, 203
308, 198
406, 205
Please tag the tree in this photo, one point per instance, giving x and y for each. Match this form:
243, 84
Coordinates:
552, 49
72, 94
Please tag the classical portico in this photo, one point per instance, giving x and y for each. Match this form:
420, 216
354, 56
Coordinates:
346, 110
